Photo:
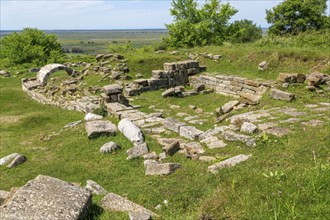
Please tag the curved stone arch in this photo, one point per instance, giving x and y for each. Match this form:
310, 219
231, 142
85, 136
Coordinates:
49, 69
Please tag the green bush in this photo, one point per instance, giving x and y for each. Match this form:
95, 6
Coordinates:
31, 46
244, 31
198, 26
296, 16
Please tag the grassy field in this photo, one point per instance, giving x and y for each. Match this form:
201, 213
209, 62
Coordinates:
93, 42
301, 160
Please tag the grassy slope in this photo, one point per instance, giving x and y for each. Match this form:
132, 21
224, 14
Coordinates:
242, 192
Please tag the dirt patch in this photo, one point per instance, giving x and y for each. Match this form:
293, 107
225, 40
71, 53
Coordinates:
9, 119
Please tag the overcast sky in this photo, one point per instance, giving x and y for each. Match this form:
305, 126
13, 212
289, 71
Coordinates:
101, 14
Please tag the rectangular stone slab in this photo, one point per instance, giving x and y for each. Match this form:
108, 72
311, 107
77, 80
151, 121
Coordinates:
46, 197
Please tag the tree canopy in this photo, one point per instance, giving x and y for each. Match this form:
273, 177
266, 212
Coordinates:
196, 25
30, 46
244, 31
296, 16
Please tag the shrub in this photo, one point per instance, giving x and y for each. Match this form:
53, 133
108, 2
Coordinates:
244, 31
31, 46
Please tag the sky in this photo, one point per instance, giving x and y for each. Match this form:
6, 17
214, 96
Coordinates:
108, 14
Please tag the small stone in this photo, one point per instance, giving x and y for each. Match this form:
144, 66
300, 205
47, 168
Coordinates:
8, 158
173, 124
97, 128
137, 151
229, 106
285, 85
18, 160
248, 127
228, 163
232, 136
193, 107
190, 132
146, 162
109, 147
172, 148
161, 168
199, 111
280, 95
90, 116
114, 202
216, 144
221, 118
174, 107
150, 156
4, 73
95, 188
263, 65
162, 156
207, 158
139, 215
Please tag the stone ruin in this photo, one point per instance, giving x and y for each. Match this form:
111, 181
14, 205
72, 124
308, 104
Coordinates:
243, 128
173, 74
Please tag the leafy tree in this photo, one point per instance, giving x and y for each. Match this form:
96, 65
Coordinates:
296, 16
196, 25
30, 46
244, 31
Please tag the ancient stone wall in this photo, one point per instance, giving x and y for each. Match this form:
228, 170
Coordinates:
231, 85
173, 74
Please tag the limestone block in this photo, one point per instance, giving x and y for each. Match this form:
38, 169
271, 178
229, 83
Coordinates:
228, 163
280, 95
47, 198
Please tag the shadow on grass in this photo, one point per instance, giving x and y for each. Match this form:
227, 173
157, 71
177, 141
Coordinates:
94, 212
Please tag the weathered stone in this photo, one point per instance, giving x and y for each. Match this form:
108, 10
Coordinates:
173, 124
193, 148
151, 156
189, 93
221, 118
47, 198
137, 151
109, 147
316, 79
47, 70
172, 148
112, 89
228, 163
97, 128
291, 77
131, 131
95, 188
248, 127
3, 196
139, 215
263, 65
8, 158
190, 132
114, 202
4, 73
252, 98
18, 160
276, 131
170, 66
157, 83
199, 87
216, 57
161, 168
147, 162
207, 158
280, 95
216, 144
168, 92
232, 136
229, 106
90, 116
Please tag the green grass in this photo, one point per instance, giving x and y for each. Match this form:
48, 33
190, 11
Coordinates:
300, 190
